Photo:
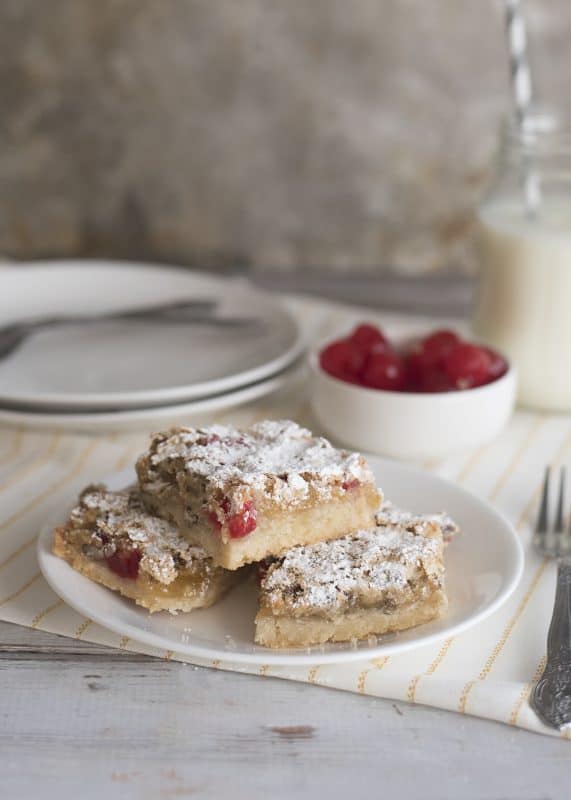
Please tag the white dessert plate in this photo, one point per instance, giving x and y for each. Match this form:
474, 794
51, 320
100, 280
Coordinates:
484, 565
147, 418
113, 365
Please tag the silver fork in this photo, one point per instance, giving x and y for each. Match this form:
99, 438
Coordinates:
189, 312
551, 696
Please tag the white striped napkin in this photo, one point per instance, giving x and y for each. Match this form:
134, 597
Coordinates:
486, 671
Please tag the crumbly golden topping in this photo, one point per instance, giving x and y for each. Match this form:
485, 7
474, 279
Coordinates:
275, 460
384, 566
388, 514
104, 522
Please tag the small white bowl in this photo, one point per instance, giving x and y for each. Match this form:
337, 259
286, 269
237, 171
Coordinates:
410, 425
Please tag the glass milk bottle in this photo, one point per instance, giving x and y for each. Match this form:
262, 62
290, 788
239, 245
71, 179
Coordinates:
523, 305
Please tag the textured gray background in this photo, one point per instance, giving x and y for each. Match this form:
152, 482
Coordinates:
270, 133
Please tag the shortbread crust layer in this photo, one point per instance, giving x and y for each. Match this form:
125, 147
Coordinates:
186, 593
277, 532
277, 631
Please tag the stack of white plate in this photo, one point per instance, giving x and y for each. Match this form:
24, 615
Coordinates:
118, 375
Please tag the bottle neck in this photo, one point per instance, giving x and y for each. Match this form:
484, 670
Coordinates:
533, 167
542, 143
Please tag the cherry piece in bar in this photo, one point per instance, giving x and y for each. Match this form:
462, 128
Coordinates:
125, 563
243, 522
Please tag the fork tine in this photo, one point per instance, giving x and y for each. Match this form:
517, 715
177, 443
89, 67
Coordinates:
559, 525
565, 537
543, 517
559, 528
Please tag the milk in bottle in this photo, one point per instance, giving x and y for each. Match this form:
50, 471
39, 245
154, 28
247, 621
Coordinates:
523, 305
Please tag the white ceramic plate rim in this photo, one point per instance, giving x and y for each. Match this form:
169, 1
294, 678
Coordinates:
147, 397
103, 420
51, 567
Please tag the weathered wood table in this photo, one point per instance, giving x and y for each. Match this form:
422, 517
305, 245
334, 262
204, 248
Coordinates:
81, 721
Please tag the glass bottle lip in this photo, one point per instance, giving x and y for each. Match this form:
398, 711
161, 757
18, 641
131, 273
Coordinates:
543, 132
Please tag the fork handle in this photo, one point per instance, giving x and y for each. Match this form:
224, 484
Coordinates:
551, 696
202, 309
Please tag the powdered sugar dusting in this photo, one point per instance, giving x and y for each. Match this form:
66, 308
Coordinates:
388, 514
278, 459
366, 568
105, 521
